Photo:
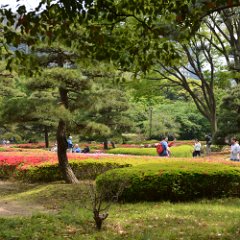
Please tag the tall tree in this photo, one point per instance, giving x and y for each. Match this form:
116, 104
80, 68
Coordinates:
72, 88
201, 64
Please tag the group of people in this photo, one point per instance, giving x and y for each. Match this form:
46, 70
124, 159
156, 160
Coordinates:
75, 147
163, 148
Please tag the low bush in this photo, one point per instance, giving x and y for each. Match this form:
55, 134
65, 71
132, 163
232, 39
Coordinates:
174, 181
82, 169
179, 151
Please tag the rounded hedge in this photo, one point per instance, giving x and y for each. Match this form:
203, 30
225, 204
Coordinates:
174, 181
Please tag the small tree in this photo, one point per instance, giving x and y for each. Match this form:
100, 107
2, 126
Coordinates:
102, 198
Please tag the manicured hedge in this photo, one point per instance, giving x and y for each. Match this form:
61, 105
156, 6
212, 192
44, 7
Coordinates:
179, 151
174, 181
82, 169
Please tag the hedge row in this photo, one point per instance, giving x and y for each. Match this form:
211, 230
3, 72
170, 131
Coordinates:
179, 151
50, 172
174, 181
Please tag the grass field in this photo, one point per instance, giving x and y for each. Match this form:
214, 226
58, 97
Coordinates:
65, 216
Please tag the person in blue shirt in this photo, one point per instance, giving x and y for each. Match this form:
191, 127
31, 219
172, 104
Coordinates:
70, 143
164, 143
77, 149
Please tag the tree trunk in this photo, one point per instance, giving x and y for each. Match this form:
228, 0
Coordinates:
98, 220
64, 166
213, 125
62, 145
150, 122
46, 137
113, 144
105, 144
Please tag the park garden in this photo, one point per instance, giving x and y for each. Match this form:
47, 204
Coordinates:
116, 77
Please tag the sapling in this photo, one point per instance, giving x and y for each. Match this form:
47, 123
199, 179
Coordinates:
102, 198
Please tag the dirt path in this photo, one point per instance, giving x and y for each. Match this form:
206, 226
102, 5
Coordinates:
11, 203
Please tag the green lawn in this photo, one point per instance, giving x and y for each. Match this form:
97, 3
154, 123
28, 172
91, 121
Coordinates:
216, 219
179, 151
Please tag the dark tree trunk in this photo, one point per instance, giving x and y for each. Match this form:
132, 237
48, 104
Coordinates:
150, 121
113, 144
214, 126
105, 144
46, 137
98, 222
64, 166
99, 218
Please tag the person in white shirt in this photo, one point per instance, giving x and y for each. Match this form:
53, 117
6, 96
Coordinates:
234, 150
197, 148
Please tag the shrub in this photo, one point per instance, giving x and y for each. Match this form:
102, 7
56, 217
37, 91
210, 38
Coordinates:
179, 151
82, 169
174, 181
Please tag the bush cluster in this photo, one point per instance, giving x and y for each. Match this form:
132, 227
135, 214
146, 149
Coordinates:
82, 169
174, 181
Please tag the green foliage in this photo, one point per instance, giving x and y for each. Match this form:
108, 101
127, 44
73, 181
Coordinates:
175, 181
180, 151
82, 169
107, 114
169, 118
229, 116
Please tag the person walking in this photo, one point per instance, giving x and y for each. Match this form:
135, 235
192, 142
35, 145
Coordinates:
197, 148
162, 148
234, 156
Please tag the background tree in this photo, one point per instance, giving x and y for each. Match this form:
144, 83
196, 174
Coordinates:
107, 118
224, 27
229, 117
201, 63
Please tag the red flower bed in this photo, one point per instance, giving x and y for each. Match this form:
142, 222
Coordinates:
29, 145
25, 159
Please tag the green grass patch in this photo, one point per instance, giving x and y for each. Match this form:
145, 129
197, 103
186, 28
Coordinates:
215, 219
179, 151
